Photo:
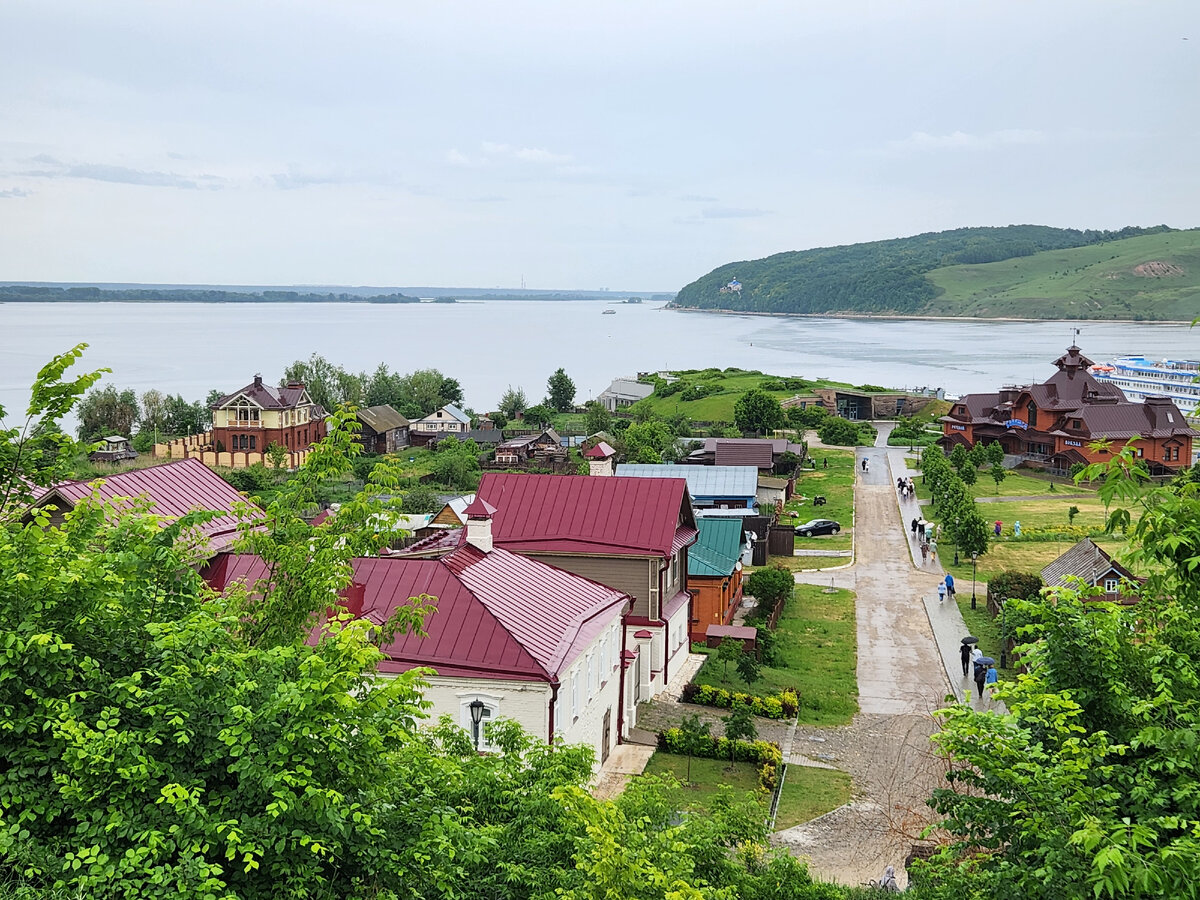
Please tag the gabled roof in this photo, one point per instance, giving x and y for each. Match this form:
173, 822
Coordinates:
702, 481
452, 411
733, 452
484, 435
628, 389
268, 396
601, 450
381, 418
526, 440
458, 506
174, 488
718, 548
498, 614
1085, 560
579, 514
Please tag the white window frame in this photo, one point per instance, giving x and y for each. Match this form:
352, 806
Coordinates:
576, 706
1112, 585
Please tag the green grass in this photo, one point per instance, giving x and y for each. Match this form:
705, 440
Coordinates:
810, 792
1015, 484
818, 654
836, 485
1095, 282
708, 777
800, 563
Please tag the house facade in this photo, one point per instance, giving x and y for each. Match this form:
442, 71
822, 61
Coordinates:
545, 446
764, 454
715, 574
720, 487
382, 429
449, 419
624, 392
1050, 425
259, 415
527, 641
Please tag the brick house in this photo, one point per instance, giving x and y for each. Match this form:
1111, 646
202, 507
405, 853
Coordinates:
259, 415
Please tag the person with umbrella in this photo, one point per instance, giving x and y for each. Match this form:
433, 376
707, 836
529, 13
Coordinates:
981, 670
967, 645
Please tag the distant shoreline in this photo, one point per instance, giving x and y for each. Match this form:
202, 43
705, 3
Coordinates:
916, 318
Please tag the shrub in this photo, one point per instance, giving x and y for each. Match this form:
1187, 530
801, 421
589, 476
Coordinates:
1019, 585
840, 432
764, 754
784, 705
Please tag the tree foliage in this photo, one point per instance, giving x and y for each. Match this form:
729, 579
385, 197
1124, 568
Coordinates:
513, 402
596, 417
758, 411
770, 586
560, 391
106, 411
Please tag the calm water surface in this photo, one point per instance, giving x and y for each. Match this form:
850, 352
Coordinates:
191, 348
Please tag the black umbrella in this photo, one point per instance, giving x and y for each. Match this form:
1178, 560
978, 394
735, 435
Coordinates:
985, 661
970, 639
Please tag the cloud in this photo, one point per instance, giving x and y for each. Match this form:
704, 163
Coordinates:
732, 212
536, 155
458, 158
121, 174
296, 180
12, 193
920, 141
697, 198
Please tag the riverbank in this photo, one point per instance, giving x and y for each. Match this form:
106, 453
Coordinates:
915, 318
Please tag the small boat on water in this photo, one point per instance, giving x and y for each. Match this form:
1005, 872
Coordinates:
1140, 378
609, 312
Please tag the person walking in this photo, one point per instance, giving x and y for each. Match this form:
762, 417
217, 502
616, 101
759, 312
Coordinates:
888, 881
980, 679
941, 591
924, 552
990, 679
933, 551
950, 585
965, 653
914, 528
864, 464
824, 462
976, 654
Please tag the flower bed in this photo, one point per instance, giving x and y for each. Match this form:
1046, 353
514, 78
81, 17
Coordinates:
784, 705
765, 754
1052, 533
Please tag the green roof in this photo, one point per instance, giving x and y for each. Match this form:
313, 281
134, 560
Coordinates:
718, 548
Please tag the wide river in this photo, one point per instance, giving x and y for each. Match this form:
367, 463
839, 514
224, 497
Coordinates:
191, 348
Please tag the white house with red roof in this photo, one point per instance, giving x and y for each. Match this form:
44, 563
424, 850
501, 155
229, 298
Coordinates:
173, 489
515, 637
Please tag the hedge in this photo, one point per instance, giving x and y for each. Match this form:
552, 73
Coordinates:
1053, 533
784, 705
764, 754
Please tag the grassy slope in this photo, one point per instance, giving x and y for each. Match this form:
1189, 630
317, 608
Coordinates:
810, 792
719, 407
818, 654
1095, 282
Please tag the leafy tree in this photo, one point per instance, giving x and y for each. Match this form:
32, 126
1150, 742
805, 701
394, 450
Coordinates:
1071, 514
107, 411
153, 413
757, 410
420, 499
695, 735
277, 456
770, 586
182, 417
648, 442
327, 383
728, 651
596, 417
977, 455
966, 528
998, 473
450, 391
969, 475
456, 464
960, 459
839, 432
513, 402
560, 391
739, 724
994, 453
809, 417
749, 669
766, 643
539, 416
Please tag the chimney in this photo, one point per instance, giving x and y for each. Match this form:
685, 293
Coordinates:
258, 380
479, 524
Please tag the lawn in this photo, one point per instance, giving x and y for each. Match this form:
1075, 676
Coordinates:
800, 563
817, 651
1015, 484
810, 792
836, 485
708, 777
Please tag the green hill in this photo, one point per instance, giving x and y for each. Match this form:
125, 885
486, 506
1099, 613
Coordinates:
1020, 271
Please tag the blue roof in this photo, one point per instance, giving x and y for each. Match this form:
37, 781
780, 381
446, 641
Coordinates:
704, 482
456, 413
718, 549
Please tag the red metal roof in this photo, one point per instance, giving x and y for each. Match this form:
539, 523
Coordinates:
578, 514
498, 615
479, 509
174, 488
601, 451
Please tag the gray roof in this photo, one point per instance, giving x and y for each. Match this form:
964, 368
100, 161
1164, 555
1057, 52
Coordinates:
703, 481
628, 389
381, 418
1085, 560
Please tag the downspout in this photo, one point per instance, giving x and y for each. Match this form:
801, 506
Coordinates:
553, 701
621, 674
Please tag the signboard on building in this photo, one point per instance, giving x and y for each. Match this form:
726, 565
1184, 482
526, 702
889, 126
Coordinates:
1015, 423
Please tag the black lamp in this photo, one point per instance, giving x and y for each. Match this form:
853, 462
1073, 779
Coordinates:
476, 707
974, 556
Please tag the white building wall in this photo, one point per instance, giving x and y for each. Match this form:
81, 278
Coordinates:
525, 702
678, 645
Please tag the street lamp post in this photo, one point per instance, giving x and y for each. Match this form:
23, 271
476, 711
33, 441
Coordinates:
1003, 636
476, 707
974, 556
956, 540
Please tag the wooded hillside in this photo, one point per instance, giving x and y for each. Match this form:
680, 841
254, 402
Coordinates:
1023, 271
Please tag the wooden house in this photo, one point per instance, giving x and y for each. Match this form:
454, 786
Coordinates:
1088, 561
449, 419
715, 574
543, 446
113, 449
382, 429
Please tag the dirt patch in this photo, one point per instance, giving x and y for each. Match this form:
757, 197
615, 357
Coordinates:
1157, 269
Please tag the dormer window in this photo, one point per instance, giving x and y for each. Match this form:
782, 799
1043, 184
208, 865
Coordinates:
1032, 423
1076, 424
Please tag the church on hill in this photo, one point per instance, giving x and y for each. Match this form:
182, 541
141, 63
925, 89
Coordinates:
1051, 425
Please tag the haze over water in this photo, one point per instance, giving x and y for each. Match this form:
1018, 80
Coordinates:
191, 348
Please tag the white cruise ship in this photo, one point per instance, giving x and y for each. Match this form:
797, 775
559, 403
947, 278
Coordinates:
1140, 378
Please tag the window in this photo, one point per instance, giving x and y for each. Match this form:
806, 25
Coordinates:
591, 676
1032, 415
576, 705
478, 733
1111, 585
252, 442
674, 570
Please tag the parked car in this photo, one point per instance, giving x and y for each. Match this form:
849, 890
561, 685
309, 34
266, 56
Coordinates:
818, 526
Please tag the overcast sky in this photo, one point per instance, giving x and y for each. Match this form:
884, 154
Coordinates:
629, 145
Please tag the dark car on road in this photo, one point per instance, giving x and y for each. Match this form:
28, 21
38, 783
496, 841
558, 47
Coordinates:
818, 526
